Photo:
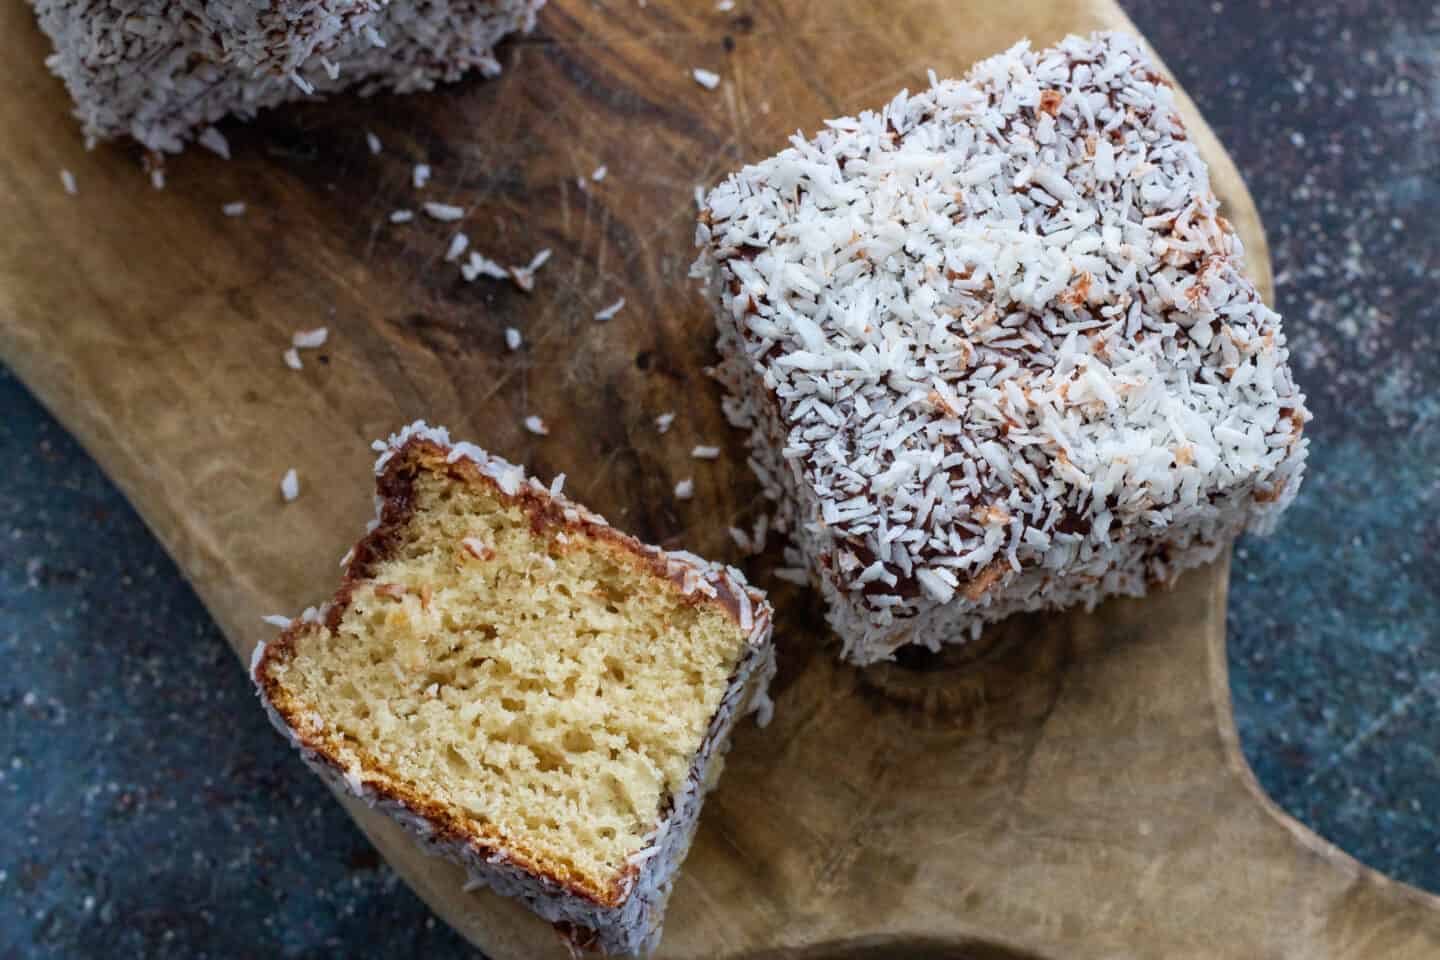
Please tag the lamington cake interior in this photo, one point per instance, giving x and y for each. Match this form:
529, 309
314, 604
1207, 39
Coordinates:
996, 350
538, 696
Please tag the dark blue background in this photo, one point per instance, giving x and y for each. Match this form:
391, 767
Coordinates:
148, 808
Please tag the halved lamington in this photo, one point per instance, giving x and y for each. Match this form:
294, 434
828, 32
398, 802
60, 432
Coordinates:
536, 695
996, 350
160, 70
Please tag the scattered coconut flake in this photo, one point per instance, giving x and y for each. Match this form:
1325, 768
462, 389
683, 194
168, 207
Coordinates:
373, 142
662, 422
332, 69
512, 338
234, 209
292, 359
374, 37
557, 485
290, 485
609, 312
157, 178
310, 339
402, 216
600, 173
705, 453
792, 575
742, 539
482, 266
685, 489
458, 245
277, 620
420, 175
537, 426
725, 6
524, 277
67, 180
214, 141
444, 212
305, 86
706, 78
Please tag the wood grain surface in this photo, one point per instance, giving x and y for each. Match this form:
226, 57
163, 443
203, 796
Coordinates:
1068, 787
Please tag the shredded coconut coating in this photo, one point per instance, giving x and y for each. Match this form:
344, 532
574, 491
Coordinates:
160, 71
996, 350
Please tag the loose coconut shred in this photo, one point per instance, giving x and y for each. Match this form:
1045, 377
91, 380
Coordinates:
995, 348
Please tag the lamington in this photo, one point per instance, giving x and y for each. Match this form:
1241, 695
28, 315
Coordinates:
996, 350
535, 695
160, 71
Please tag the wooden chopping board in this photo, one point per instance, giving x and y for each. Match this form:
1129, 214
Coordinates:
1068, 787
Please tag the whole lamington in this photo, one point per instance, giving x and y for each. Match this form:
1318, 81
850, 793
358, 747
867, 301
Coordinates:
161, 70
996, 350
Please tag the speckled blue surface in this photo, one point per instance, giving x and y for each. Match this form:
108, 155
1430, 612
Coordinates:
148, 815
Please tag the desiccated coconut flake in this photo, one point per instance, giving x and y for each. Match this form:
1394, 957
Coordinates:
292, 359
402, 216
705, 453
513, 340
663, 422
600, 173
373, 142
609, 312
685, 489
235, 208
537, 426
290, 485
310, 339
420, 175
482, 266
277, 620
706, 78
214, 141
458, 245
67, 180
444, 212
524, 277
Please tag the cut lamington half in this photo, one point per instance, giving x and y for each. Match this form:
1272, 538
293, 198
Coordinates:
996, 350
160, 70
536, 695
